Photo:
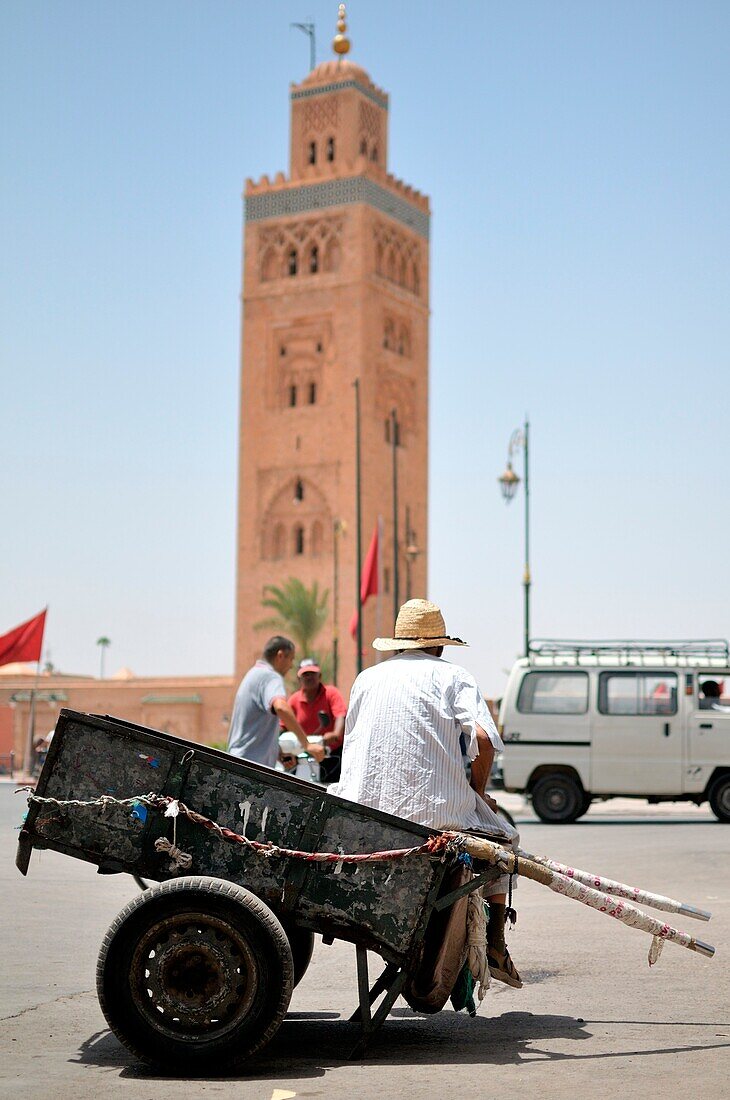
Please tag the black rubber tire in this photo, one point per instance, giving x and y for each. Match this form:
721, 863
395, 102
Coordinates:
179, 952
558, 798
720, 798
301, 942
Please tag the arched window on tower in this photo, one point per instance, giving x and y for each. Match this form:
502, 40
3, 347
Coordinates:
312, 393
298, 539
292, 397
312, 152
314, 260
363, 147
299, 489
292, 262
330, 149
374, 153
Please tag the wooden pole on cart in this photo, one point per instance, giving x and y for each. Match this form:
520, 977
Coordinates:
619, 889
619, 909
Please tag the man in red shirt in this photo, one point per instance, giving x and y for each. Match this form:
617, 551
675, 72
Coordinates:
320, 710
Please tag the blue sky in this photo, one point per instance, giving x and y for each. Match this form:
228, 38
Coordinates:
577, 160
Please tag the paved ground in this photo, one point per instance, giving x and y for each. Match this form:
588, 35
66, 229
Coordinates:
592, 1018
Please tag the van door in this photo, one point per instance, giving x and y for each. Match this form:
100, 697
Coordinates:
636, 734
708, 729
548, 723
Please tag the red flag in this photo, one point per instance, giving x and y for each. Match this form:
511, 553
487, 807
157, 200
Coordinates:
25, 642
368, 578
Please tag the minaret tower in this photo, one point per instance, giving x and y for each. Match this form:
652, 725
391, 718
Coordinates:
335, 288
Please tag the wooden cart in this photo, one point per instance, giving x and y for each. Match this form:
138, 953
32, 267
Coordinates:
198, 970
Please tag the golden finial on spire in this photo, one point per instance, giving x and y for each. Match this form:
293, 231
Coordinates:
341, 43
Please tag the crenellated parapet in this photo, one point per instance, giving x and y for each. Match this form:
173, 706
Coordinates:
264, 199
360, 167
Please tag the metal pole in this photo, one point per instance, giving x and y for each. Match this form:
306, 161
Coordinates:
394, 448
29, 762
527, 579
408, 556
358, 525
309, 30
335, 605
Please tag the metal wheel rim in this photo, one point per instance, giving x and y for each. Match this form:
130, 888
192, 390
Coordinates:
557, 799
193, 976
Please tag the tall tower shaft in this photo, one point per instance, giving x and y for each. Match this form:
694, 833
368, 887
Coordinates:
335, 288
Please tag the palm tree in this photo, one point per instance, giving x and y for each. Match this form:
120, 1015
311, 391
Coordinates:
299, 613
103, 644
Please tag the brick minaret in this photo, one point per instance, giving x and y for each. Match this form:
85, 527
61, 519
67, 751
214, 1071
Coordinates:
335, 287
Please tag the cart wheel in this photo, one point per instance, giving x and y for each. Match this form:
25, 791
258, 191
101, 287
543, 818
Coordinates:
301, 941
195, 973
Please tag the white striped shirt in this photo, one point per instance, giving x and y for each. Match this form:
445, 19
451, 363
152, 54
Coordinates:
402, 752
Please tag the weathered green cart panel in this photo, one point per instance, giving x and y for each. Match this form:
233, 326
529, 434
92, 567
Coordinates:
377, 905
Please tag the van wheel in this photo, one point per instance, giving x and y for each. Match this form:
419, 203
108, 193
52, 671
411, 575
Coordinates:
720, 798
558, 799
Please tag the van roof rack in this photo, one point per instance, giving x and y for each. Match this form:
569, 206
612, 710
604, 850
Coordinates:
632, 651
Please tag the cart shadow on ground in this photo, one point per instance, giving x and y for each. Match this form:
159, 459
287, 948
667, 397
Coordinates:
309, 1044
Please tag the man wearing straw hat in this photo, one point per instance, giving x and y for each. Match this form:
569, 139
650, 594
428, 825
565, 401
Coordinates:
407, 720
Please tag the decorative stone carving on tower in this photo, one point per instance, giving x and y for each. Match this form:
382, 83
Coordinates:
335, 288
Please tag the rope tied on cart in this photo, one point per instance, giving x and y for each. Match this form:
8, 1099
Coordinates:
179, 861
441, 844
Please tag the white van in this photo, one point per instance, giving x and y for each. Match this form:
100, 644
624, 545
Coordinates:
596, 720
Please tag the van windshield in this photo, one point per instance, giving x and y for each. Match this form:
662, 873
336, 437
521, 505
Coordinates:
553, 693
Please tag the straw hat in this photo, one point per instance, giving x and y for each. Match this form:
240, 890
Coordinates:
419, 625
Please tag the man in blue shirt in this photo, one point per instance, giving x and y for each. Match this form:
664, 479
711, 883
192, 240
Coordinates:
261, 706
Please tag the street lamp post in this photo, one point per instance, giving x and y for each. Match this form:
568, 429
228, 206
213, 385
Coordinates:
394, 440
412, 552
103, 644
338, 529
508, 482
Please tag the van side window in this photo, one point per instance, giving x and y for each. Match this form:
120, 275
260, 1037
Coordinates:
634, 693
553, 693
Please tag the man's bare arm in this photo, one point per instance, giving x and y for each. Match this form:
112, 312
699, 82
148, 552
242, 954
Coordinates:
334, 738
482, 766
288, 719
